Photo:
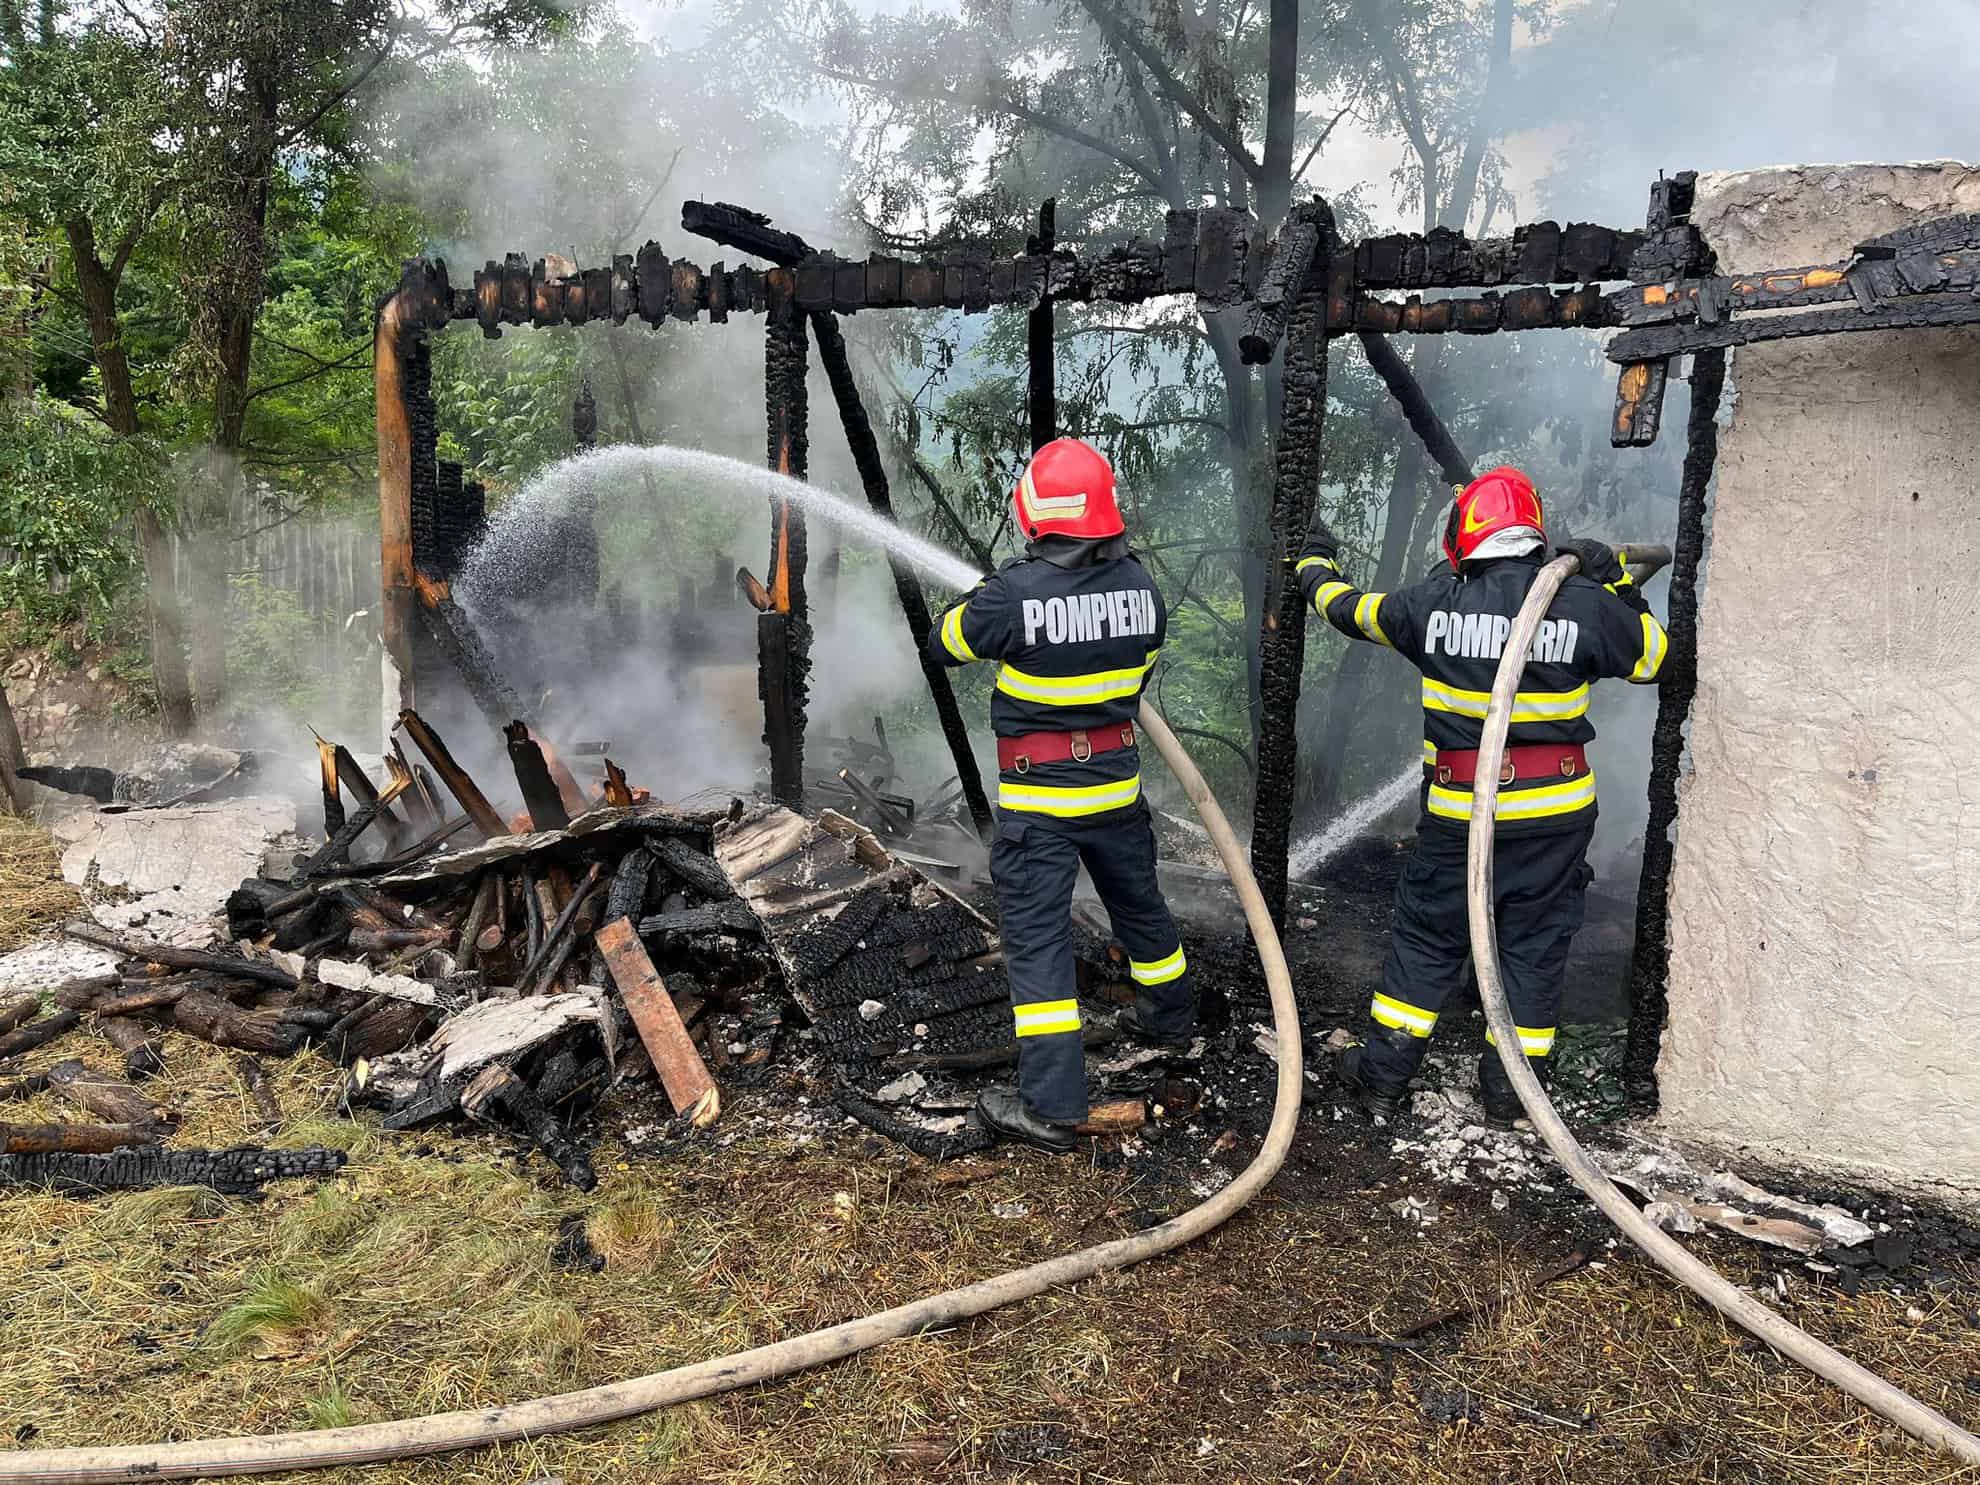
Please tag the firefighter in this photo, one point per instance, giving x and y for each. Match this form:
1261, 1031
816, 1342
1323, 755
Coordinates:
1074, 627
1452, 627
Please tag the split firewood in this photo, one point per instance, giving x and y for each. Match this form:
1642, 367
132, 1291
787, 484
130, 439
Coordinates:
420, 804
866, 847
110, 1099
353, 778
666, 1040
560, 937
464, 789
399, 913
486, 892
175, 958
15, 1012
143, 1057
495, 1095
539, 790
387, 1026
75, 1139
238, 1172
695, 870
756, 847
39, 1033
627, 897
255, 1077
1118, 1116
539, 910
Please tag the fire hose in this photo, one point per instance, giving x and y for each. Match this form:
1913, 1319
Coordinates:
441, 1433
1907, 1412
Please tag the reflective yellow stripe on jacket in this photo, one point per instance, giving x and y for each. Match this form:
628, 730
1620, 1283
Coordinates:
1074, 690
1068, 803
1528, 706
1518, 804
952, 636
1655, 643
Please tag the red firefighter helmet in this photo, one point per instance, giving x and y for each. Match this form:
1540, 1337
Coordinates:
1496, 501
1067, 490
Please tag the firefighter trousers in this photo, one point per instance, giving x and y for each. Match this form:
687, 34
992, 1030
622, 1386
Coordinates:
1034, 865
1539, 883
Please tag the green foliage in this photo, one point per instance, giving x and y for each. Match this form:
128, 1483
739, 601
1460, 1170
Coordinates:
67, 493
282, 662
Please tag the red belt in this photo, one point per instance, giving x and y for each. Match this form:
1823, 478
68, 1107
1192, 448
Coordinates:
1536, 761
1035, 748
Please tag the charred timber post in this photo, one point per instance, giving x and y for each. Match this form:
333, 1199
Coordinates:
784, 657
1295, 482
1292, 269
1650, 962
1041, 348
1423, 419
907, 586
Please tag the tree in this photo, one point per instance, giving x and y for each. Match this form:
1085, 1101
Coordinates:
81, 124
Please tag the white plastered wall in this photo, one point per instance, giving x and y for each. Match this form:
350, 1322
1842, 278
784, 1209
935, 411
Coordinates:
1825, 898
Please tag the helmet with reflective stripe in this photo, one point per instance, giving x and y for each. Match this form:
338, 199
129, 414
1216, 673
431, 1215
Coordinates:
1067, 490
1498, 500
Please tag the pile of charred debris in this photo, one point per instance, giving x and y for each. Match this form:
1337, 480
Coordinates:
514, 970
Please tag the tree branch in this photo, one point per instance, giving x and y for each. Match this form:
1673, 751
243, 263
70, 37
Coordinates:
976, 548
1008, 107
1175, 90
1320, 143
322, 368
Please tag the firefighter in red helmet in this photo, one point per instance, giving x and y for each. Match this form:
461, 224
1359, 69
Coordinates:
1453, 627
1073, 627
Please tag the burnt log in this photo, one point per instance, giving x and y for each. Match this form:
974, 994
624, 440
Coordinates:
333, 800
784, 636
744, 230
142, 1055
22, 1089
158, 995
39, 1033
561, 936
541, 796
99, 784
83, 992
237, 1172
15, 1012
384, 1026
629, 883
75, 1139
1041, 349
487, 895
926, 1143
696, 870
497, 1096
716, 917
1292, 267
390, 940
339, 845
214, 1020
98, 1093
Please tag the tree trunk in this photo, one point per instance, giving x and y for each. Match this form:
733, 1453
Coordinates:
97, 283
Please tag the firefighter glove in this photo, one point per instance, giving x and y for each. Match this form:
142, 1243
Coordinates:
1599, 561
1320, 539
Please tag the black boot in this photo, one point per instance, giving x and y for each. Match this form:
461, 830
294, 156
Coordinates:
1138, 1023
1377, 1073
1495, 1089
1003, 1113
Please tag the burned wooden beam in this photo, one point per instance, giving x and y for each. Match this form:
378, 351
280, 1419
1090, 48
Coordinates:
176, 958
744, 230
211, 1019
714, 917
627, 895
1671, 249
1923, 311
1423, 419
680, 1068
353, 778
236, 1172
907, 583
695, 870
1282, 644
464, 789
397, 327
541, 797
333, 803
784, 635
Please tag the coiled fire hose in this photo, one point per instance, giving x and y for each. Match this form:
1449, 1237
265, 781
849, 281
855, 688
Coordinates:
1907, 1412
443, 1432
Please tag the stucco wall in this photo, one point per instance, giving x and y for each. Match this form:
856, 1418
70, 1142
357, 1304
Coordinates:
1825, 961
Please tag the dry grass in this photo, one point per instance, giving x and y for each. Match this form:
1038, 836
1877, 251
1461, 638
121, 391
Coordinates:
420, 1281
33, 896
